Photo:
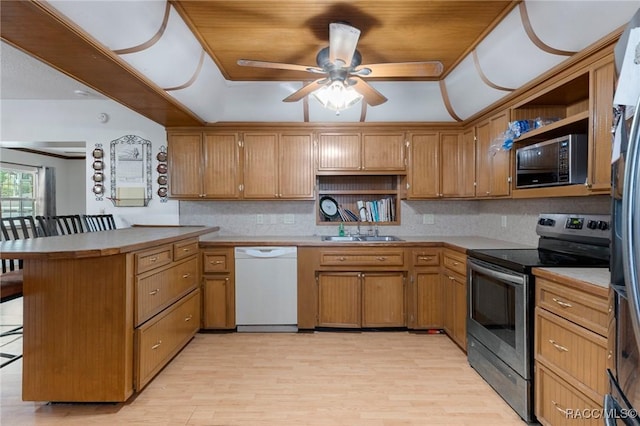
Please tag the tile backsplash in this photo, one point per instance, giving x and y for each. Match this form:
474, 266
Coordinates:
509, 220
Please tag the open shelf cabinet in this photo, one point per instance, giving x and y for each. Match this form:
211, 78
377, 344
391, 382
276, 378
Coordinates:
349, 190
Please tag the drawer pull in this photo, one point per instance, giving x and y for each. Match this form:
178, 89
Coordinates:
562, 410
187, 319
425, 257
563, 304
217, 262
381, 258
185, 249
186, 275
153, 259
154, 292
452, 278
156, 345
456, 263
557, 346
342, 259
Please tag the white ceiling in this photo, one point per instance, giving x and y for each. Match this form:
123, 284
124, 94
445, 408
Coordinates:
23, 77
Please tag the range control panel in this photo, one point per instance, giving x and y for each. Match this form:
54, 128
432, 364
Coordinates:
591, 226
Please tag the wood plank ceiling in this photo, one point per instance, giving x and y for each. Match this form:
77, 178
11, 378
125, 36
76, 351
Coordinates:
284, 31
293, 31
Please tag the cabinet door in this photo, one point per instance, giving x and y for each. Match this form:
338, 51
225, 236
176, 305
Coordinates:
483, 159
500, 165
295, 178
424, 174
467, 164
430, 295
450, 164
448, 305
603, 82
218, 311
493, 169
260, 166
184, 158
339, 299
383, 299
221, 174
339, 151
460, 310
383, 151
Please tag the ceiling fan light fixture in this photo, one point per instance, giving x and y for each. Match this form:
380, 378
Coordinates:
337, 96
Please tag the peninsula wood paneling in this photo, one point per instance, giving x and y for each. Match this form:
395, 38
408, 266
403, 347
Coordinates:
78, 333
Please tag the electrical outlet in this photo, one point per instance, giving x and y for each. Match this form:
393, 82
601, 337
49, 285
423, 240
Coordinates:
503, 221
260, 219
428, 219
289, 219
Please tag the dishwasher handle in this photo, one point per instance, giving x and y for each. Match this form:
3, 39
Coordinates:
266, 252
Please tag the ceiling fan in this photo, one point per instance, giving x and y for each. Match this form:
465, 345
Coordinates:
338, 64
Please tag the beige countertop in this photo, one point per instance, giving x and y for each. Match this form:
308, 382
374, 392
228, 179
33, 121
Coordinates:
461, 243
596, 276
103, 243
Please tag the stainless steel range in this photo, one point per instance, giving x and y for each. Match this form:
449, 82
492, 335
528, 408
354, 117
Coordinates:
501, 299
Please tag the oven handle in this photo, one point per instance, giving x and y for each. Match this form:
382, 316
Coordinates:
513, 279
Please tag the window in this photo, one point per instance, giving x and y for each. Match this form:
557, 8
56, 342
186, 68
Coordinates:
18, 190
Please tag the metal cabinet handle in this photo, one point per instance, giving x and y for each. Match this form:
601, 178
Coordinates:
186, 275
557, 346
188, 318
381, 258
156, 345
561, 303
562, 410
154, 292
153, 259
217, 262
425, 257
452, 278
185, 249
342, 259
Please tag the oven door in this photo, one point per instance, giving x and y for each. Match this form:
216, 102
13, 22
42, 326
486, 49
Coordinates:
499, 313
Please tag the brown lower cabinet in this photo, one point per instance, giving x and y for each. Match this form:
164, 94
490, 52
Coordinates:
98, 329
454, 282
218, 286
571, 349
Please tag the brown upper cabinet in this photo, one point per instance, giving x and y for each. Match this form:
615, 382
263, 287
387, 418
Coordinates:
367, 151
580, 102
208, 165
493, 176
278, 165
204, 165
441, 164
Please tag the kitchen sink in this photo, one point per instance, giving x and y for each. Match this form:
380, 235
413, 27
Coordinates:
363, 238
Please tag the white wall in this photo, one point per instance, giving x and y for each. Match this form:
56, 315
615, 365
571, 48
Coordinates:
69, 177
77, 121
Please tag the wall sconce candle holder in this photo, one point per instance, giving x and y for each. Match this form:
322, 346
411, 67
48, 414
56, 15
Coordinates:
162, 170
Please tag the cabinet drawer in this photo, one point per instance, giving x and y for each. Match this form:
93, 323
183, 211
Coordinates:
153, 258
185, 248
577, 352
558, 403
217, 260
359, 257
160, 339
456, 262
157, 290
578, 306
426, 257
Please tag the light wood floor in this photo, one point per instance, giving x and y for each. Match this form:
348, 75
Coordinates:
323, 378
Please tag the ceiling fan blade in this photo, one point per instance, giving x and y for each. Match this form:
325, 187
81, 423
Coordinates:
279, 66
403, 69
343, 40
371, 95
306, 90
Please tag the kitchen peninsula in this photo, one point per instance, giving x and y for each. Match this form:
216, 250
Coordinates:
105, 311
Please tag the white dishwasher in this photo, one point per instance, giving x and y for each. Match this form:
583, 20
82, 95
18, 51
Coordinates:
266, 289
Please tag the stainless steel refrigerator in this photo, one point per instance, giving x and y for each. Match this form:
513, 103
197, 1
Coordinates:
624, 397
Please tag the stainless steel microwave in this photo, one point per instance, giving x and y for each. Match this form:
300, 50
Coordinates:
560, 161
